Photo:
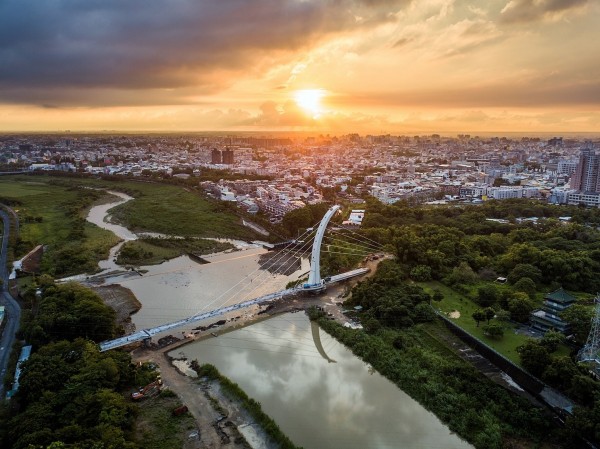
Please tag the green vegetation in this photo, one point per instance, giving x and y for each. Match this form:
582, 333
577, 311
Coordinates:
157, 428
152, 250
65, 312
67, 394
456, 254
53, 215
250, 405
71, 395
52, 212
461, 309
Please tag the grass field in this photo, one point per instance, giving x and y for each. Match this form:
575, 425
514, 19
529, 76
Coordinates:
43, 213
456, 302
157, 428
42, 203
164, 208
150, 251
174, 211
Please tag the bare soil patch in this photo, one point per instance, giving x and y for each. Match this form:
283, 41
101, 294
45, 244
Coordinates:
121, 300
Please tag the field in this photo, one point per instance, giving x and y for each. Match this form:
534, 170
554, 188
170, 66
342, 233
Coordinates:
455, 302
52, 210
168, 209
44, 215
148, 251
157, 428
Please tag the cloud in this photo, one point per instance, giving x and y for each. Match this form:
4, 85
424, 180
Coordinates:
161, 44
533, 10
531, 93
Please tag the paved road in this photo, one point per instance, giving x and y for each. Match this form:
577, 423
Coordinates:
12, 310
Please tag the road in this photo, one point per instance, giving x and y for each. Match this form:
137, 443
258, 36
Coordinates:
12, 309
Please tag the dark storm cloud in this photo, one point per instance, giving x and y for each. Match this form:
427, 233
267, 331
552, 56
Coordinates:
532, 10
48, 46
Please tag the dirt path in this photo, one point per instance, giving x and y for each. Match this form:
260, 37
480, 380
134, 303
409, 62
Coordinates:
194, 395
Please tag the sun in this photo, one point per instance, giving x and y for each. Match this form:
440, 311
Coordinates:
310, 101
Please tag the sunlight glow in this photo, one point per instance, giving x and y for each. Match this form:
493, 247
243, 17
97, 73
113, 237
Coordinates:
310, 101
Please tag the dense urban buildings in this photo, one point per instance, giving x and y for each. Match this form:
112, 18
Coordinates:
290, 173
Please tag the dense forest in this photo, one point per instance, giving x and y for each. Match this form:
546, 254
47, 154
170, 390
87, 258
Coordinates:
463, 250
71, 395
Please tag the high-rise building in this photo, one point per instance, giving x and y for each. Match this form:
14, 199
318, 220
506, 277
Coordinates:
216, 157
227, 156
585, 178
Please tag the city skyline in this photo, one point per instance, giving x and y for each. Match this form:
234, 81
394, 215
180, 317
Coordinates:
326, 67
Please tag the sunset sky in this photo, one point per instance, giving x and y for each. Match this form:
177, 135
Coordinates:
334, 66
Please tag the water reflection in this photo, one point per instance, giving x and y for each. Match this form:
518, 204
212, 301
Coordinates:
319, 404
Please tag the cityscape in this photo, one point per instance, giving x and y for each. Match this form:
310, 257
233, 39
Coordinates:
287, 224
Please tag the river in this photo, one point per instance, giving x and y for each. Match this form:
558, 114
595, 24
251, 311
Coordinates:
318, 392
181, 287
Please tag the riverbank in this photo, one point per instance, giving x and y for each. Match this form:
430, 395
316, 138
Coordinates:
122, 301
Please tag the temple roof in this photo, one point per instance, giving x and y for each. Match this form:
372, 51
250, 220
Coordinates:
560, 295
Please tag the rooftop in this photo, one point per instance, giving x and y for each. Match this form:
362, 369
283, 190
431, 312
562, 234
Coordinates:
560, 296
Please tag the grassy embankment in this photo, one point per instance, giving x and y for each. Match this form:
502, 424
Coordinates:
148, 251
250, 405
456, 302
157, 428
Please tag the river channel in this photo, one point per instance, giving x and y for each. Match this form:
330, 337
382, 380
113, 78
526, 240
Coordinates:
318, 392
181, 287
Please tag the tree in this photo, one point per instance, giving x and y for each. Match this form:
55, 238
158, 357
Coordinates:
478, 316
560, 373
371, 325
524, 270
503, 315
297, 219
494, 330
462, 274
437, 295
487, 295
534, 357
424, 313
579, 318
552, 339
520, 307
489, 314
526, 285
421, 273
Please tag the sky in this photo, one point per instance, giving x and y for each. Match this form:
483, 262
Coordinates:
326, 66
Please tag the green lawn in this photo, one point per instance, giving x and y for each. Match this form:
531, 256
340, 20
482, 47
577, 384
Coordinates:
454, 301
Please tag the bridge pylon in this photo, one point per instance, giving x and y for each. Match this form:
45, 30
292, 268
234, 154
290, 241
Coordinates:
315, 283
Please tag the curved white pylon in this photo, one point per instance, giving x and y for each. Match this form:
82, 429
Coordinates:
314, 277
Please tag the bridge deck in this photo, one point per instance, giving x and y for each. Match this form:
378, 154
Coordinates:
148, 333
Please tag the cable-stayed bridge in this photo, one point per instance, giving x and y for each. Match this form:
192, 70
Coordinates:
350, 245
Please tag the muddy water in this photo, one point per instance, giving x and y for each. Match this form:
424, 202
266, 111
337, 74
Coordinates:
181, 287
320, 401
